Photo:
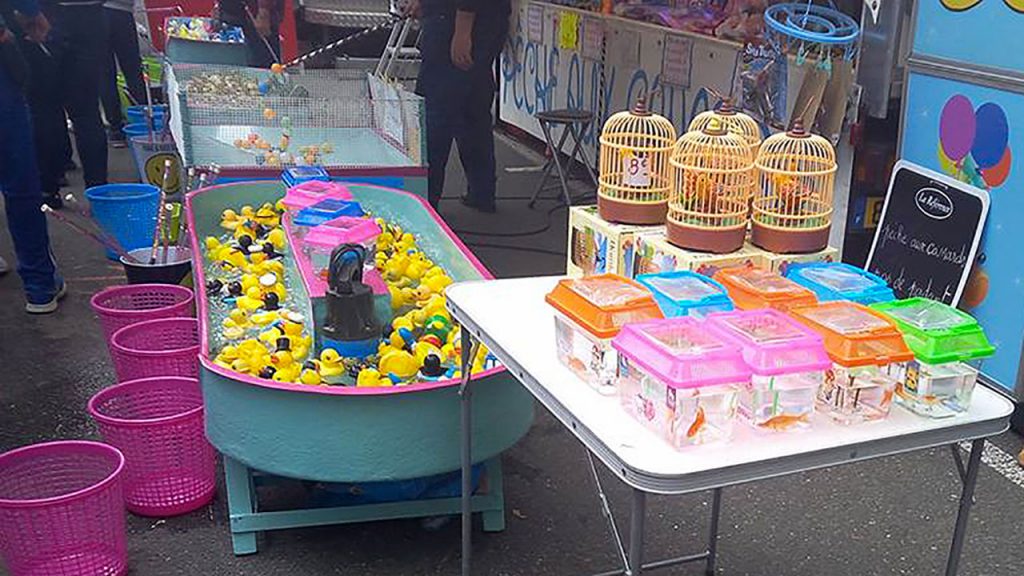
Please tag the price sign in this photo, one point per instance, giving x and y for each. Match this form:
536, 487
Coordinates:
636, 171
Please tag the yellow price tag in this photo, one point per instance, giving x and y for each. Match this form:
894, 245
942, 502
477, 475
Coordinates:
568, 30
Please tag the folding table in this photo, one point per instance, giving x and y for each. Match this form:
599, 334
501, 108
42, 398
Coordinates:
511, 318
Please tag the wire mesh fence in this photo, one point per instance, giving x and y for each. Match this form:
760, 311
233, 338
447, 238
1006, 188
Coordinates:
250, 117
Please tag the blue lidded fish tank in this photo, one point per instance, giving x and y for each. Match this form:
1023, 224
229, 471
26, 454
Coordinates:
686, 293
839, 281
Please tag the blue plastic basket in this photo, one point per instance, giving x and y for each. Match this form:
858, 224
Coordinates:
125, 211
686, 293
137, 114
131, 130
839, 281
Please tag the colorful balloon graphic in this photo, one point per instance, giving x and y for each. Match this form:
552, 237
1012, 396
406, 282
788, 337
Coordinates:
956, 127
991, 135
995, 175
945, 163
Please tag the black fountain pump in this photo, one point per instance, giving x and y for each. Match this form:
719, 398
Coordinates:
351, 320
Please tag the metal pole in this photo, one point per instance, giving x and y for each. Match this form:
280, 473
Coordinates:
716, 510
966, 499
468, 352
636, 533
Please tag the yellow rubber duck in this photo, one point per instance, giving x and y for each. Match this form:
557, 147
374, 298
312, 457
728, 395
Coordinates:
251, 300
232, 258
292, 329
422, 349
249, 281
310, 376
385, 241
414, 271
227, 355
269, 337
371, 378
267, 216
264, 318
435, 305
229, 220
276, 238
287, 369
437, 282
405, 243
300, 347
247, 211
399, 298
399, 363
332, 368
213, 246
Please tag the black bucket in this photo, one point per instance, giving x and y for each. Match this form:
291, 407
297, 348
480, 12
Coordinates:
176, 270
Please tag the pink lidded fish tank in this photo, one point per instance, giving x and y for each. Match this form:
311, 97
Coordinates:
788, 363
312, 191
589, 312
680, 380
321, 240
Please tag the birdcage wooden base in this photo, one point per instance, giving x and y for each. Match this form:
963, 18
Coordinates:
791, 241
643, 214
715, 240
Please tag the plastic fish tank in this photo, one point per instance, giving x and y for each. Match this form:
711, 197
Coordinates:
295, 175
321, 213
679, 380
754, 288
311, 192
686, 293
949, 347
787, 361
589, 312
321, 241
839, 281
867, 352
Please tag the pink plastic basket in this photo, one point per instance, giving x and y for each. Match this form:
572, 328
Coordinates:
158, 424
163, 347
61, 512
119, 306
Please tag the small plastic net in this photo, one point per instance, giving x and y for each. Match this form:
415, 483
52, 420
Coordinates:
252, 118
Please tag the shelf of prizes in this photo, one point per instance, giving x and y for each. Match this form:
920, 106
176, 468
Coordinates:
327, 355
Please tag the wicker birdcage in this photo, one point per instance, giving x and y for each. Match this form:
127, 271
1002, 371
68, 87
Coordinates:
634, 173
793, 211
712, 183
734, 121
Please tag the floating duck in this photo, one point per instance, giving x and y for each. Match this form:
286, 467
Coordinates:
371, 378
332, 368
267, 216
229, 220
309, 374
287, 369
399, 364
264, 318
226, 357
276, 238
251, 300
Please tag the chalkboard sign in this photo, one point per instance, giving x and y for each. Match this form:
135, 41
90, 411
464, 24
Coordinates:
928, 234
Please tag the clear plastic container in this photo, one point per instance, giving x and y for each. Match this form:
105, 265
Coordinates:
296, 175
787, 361
679, 380
754, 288
839, 281
322, 212
948, 347
312, 191
866, 349
589, 313
686, 293
321, 240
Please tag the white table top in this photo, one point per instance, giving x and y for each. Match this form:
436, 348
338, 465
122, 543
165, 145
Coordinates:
512, 319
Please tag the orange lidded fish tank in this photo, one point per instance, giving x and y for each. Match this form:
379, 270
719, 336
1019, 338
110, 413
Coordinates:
867, 352
589, 312
787, 361
680, 380
752, 288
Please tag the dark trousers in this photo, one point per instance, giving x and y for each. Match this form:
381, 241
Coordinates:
123, 53
458, 103
19, 182
68, 77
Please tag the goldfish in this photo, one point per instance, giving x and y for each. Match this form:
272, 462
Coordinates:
698, 423
784, 421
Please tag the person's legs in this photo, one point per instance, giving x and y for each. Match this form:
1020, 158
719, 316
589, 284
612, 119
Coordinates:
19, 181
124, 41
83, 64
48, 120
108, 85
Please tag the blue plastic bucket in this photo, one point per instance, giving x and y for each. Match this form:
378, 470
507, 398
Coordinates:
137, 114
141, 129
125, 211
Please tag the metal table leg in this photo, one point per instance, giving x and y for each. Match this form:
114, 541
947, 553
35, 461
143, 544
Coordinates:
469, 346
970, 478
636, 533
716, 510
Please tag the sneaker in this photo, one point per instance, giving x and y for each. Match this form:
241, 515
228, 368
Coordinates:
117, 140
4, 266
47, 306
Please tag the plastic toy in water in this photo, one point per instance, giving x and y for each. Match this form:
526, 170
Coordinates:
949, 347
680, 380
840, 281
686, 293
787, 361
754, 288
352, 327
589, 312
332, 367
867, 351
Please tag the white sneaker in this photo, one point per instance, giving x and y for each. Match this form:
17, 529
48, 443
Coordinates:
48, 307
4, 267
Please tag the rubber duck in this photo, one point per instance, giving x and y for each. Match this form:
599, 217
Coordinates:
287, 368
227, 355
309, 374
235, 325
247, 211
414, 271
229, 220
399, 298
332, 368
265, 318
212, 245
269, 337
405, 242
437, 282
300, 347
394, 270
267, 216
434, 306
276, 238
423, 349
385, 241
291, 327
432, 369
371, 378
232, 258
249, 281
251, 300
399, 364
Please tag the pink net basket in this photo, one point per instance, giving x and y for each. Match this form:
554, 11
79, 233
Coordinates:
163, 347
158, 424
119, 306
61, 512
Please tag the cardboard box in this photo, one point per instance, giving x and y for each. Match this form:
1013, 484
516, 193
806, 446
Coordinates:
779, 262
597, 246
652, 252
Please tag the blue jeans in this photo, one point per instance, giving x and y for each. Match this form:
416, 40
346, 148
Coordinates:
458, 103
19, 181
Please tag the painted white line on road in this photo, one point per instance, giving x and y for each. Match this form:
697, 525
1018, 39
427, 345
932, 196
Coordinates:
1001, 461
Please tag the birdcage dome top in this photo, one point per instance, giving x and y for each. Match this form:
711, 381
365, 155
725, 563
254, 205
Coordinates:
629, 126
734, 121
712, 148
797, 151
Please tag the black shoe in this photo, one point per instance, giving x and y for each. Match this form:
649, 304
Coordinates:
54, 201
487, 207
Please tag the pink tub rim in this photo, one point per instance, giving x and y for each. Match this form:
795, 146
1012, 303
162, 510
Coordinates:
202, 308
76, 495
136, 352
140, 422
